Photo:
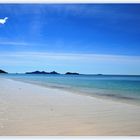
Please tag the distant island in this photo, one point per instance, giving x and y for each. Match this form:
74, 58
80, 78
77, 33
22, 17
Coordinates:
72, 73
99, 74
53, 72
42, 72
2, 71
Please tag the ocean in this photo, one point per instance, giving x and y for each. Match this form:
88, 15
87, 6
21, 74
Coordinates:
123, 88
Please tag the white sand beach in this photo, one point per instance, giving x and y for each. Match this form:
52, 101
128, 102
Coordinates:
27, 109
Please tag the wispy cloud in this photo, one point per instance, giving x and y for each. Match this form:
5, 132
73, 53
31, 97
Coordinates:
14, 43
92, 10
62, 62
72, 57
18, 44
107, 11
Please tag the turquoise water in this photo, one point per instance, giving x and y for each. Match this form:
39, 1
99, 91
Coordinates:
110, 86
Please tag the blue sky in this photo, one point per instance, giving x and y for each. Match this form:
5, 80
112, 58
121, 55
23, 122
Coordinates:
88, 38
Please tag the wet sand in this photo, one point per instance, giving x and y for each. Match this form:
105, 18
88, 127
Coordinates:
27, 109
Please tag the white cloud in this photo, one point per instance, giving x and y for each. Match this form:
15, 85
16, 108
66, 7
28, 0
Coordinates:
3, 21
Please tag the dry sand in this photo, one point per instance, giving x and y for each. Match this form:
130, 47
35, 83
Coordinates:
27, 109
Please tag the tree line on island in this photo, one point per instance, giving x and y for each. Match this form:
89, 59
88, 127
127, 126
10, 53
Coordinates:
43, 72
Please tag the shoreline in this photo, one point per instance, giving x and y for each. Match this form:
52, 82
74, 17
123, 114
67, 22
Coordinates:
29, 109
121, 99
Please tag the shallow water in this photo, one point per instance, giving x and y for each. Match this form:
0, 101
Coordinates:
120, 87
